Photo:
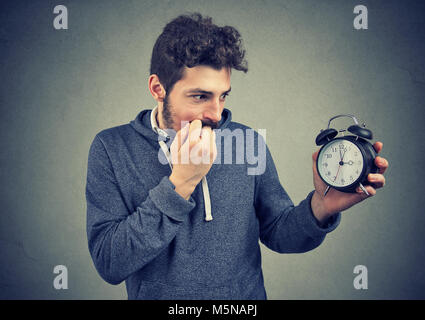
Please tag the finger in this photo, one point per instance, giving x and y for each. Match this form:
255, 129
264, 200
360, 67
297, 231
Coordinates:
178, 142
184, 131
175, 145
206, 132
381, 163
195, 131
213, 145
195, 127
207, 140
315, 156
378, 146
319, 184
377, 180
185, 145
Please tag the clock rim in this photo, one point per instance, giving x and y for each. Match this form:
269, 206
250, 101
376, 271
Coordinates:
356, 141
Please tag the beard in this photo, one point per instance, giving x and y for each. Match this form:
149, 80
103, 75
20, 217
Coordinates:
167, 113
167, 116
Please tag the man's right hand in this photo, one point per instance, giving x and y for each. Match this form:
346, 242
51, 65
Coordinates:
193, 152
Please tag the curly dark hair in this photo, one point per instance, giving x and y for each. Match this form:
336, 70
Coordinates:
191, 40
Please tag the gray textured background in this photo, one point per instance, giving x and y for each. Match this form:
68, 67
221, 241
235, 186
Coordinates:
307, 63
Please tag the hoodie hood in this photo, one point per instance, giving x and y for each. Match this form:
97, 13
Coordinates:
142, 123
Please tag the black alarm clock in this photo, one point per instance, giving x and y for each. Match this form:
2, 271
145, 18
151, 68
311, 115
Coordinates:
344, 162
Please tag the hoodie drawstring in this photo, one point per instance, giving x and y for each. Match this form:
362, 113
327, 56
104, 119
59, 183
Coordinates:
207, 199
162, 133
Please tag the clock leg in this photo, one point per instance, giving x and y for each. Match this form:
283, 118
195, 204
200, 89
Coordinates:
326, 191
363, 189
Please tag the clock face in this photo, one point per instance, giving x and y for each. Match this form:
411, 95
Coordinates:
340, 163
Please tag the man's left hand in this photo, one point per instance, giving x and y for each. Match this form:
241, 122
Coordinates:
335, 201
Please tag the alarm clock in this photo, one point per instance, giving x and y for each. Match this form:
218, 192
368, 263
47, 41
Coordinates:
344, 162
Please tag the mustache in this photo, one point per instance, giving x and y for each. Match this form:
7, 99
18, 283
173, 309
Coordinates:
212, 124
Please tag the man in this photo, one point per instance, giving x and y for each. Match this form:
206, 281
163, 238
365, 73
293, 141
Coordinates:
180, 228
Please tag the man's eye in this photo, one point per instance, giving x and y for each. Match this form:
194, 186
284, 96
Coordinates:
199, 97
224, 96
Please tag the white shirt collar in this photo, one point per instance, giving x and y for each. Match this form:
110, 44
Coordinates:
155, 126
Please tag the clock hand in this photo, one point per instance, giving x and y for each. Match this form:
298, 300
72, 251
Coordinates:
342, 159
341, 163
337, 173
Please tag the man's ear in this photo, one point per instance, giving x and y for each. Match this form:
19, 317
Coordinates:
156, 88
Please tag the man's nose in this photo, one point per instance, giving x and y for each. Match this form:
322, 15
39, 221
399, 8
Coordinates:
214, 112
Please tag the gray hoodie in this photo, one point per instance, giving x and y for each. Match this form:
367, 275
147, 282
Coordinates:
142, 232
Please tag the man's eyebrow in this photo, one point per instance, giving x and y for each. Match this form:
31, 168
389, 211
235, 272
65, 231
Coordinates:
199, 90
